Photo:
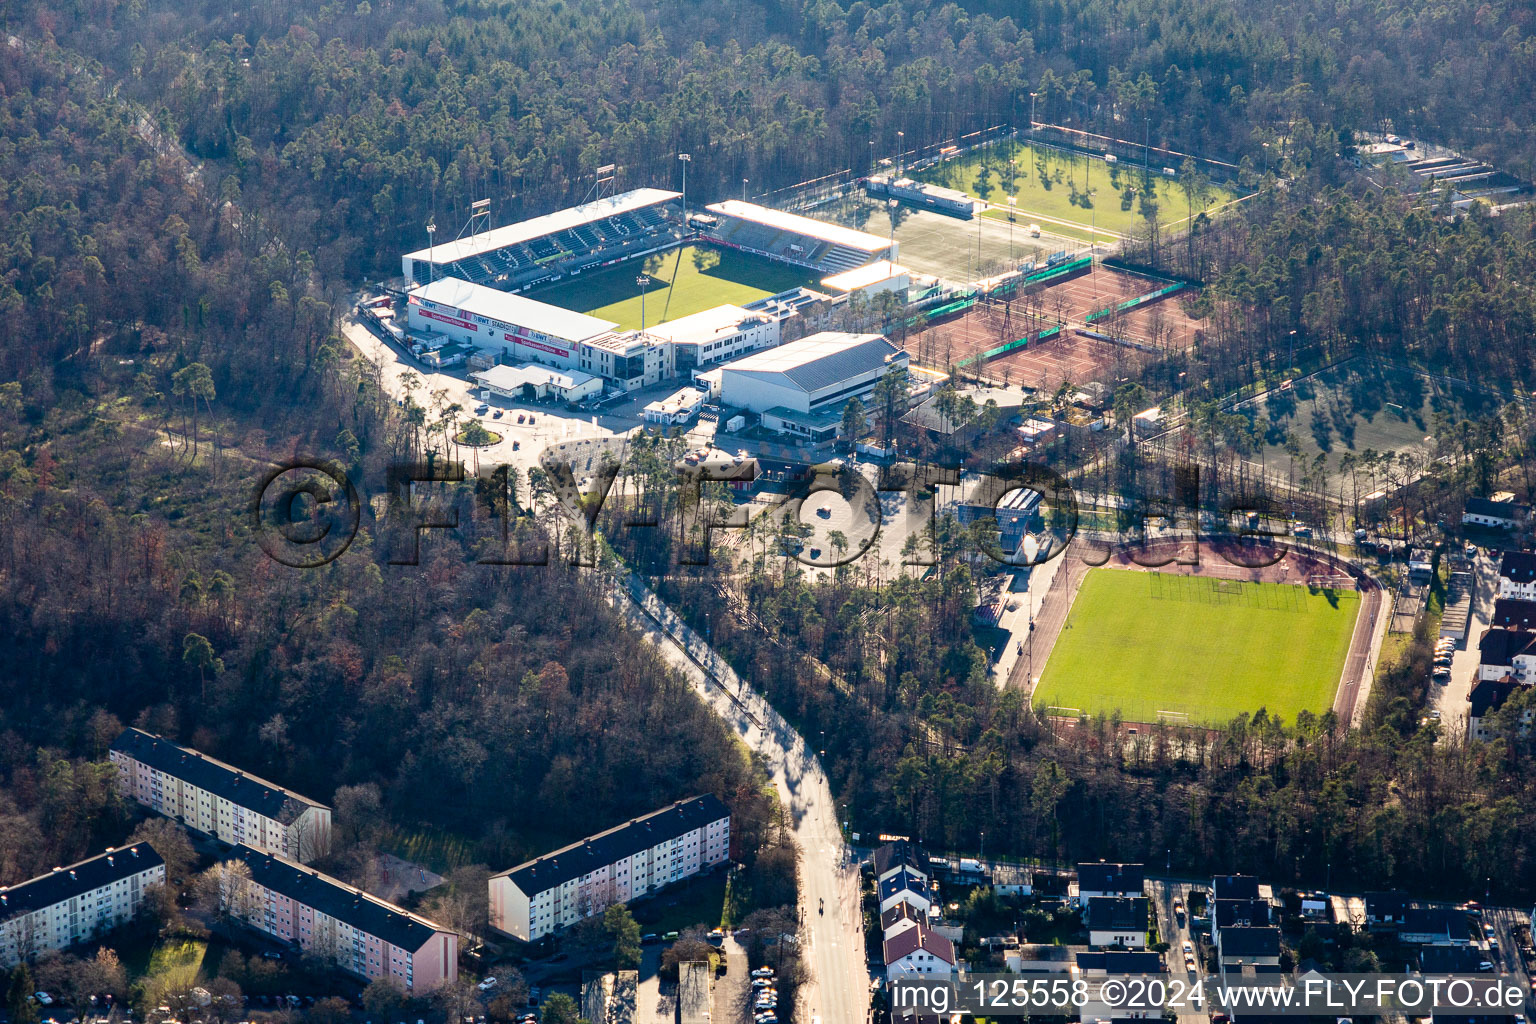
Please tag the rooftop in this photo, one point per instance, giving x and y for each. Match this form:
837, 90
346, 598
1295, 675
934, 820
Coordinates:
1117, 913
1502, 646
1101, 877
76, 879
626, 840
910, 940
1250, 942
769, 217
1518, 566
906, 880
208, 773
516, 310
336, 899
863, 277
901, 853
1115, 961
1510, 613
507, 378
1497, 509
707, 325
1235, 887
1241, 912
538, 227
820, 360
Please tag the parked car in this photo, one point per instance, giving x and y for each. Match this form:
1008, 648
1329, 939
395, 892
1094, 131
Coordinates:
487, 984
498, 413
650, 937
763, 972
761, 983
43, 998
482, 409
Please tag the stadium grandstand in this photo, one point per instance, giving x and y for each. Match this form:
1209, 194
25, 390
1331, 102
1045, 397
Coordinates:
545, 248
828, 248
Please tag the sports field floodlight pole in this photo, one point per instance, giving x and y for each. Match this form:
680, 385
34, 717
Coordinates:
431, 252
891, 205
743, 189
900, 142
642, 281
685, 159
1032, 133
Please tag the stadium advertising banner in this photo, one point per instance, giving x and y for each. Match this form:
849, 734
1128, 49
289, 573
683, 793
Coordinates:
520, 339
455, 321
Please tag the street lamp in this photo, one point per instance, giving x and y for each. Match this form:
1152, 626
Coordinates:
431, 255
643, 282
743, 189
685, 159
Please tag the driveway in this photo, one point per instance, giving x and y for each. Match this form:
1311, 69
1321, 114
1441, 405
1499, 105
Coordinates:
1451, 699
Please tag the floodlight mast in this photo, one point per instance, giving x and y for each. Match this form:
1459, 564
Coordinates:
685, 159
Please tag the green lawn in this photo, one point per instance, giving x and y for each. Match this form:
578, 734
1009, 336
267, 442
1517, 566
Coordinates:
1145, 643
1066, 174
683, 281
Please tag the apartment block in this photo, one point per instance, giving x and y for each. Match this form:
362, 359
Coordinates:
622, 864
218, 799
362, 934
75, 904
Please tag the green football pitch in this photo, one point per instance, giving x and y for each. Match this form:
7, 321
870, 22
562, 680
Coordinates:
1045, 181
684, 280
1195, 649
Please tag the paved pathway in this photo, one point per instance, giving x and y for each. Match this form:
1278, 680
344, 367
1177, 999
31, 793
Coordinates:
838, 990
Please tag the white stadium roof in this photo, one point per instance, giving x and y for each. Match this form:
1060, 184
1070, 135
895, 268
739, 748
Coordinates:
818, 361
769, 217
863, 277
538, 227
555, 321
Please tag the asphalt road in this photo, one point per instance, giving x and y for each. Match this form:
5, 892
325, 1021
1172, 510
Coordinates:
838, 990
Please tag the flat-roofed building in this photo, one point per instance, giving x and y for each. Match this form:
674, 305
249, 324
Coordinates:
218, 799
523, 329
530, 382
624, 863
75, 904
360, 933
715, 335
629, 359
870, 280
802, 387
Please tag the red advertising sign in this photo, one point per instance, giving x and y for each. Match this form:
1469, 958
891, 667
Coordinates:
516, 339
448, 319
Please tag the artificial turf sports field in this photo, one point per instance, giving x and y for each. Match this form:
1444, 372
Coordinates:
1066, 171
683, 280
1158, 646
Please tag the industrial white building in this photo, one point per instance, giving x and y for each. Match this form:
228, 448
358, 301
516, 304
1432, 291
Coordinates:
495, 321
801, 388
715, 335
622, 864
75, 904
530, 381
